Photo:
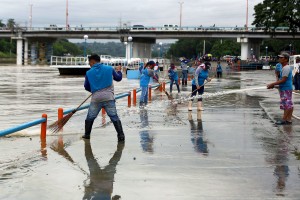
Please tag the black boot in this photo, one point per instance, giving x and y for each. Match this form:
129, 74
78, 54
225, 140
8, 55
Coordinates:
119, 129
182, 82
185, 82
88, 129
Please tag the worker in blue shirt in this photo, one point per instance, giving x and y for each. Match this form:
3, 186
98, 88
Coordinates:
99, 81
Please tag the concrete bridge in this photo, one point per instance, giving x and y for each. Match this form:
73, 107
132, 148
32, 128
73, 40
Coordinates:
42, 38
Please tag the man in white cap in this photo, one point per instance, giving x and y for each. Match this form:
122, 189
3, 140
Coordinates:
285, 83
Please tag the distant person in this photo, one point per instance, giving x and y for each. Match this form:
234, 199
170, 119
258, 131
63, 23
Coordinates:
201, 74
184, 68
278, 69
99, 81
156, 71
146, 71
285, 83
173, 74
297, 74
219, 70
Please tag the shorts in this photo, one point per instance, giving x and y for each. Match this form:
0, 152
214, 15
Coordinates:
286, 102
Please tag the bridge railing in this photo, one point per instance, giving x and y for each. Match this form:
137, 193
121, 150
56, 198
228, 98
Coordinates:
153, 28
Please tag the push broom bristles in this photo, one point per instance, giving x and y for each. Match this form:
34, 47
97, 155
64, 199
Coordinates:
59, 124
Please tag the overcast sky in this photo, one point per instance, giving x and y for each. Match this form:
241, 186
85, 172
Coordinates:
145, 12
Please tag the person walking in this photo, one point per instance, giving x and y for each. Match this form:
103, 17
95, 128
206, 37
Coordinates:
219, 70
285, 83
201, 74
173, 74
99, 81
146, 71
184, 67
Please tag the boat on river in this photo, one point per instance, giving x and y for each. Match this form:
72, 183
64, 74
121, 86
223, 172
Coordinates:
68, 65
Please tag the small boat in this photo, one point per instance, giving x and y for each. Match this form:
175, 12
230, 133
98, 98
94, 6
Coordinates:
68, 65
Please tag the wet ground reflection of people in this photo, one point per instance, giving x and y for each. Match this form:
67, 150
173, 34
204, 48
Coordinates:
100, 182
281, 158
146, 139
59, 147
197, 137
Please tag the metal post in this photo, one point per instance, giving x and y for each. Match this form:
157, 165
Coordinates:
134, 97
150, 92
30, 17
44, 127
129, 99
247, 14
67, 15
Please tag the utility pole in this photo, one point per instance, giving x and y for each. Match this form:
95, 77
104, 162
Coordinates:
247, 15
180, 21
67, 15
30, 16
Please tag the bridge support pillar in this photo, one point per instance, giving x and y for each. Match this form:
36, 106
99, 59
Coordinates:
19, 51
250, 48
33, 53
25, 52
141, 47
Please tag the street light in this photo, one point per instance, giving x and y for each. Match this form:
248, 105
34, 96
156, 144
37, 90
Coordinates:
85, 37
266, 52
251, 53
290, 49
129, 39
160, 44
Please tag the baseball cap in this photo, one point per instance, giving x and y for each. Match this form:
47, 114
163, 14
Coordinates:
284, 55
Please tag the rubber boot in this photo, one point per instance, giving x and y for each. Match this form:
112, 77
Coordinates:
119, 129
190, 105
199, 106
88, 129
185, 82
182, 82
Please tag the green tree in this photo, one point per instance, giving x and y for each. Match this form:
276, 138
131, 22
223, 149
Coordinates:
63, 47
273, 13
1, 23
11, 23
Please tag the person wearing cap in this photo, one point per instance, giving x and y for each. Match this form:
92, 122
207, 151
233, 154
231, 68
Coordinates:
201, 74
285, 83
219, 70
184, 67
278, 69
99, 81
173, 74
146, 71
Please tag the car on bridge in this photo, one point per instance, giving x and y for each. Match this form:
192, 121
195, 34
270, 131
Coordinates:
138, 27
170, 27
53, 27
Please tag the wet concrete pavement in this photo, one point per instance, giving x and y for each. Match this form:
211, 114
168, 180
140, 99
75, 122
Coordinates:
231, 150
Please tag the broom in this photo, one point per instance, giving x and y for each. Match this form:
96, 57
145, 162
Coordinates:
59, 124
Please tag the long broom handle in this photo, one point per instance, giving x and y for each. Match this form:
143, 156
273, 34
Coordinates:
199, 88
82, 103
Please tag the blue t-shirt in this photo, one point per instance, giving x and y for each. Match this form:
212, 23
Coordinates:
219, 68
201, 74
278, 67
287, 71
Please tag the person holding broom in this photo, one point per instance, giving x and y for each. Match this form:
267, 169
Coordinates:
173, 74
201, 74
146, 71
99, 81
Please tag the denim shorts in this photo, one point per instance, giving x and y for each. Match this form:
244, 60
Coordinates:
286, 102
